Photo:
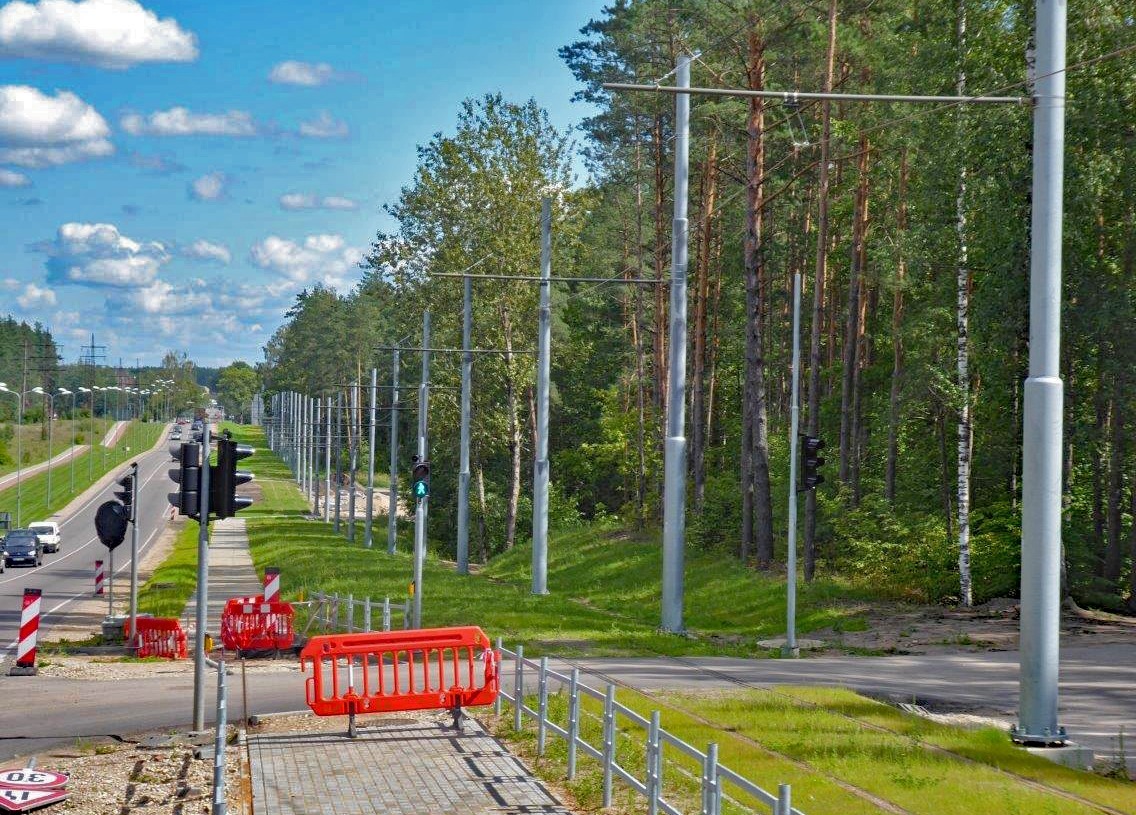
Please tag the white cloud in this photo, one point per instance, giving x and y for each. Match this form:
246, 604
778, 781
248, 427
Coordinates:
161, 298
324, 126
205, 250
37, 130
107, 33
179, 121
99, 255
323, 258
209, 187
300, 200
8, 178
36, 297
308, 74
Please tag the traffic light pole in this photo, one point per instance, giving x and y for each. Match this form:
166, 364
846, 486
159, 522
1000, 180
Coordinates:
422, 504
201, 610
371, 461
133, 553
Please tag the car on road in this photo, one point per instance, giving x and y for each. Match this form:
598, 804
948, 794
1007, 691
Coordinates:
48, 534
22, 547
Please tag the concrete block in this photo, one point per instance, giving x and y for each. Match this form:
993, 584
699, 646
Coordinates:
1070, 754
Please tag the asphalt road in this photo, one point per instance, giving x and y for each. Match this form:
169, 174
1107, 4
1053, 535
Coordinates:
68, 575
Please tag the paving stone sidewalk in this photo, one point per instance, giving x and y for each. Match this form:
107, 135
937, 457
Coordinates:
231, 573
399, 767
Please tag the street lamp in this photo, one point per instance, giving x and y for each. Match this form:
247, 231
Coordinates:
50, 424
91, 452
74, 396
19, 446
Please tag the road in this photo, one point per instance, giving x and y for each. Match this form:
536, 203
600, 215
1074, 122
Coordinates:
68, 576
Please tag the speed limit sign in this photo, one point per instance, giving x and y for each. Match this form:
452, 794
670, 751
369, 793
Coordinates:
27, 778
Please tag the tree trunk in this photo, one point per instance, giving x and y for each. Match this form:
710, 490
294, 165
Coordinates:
482, 538
1097, 463
813, 424
944, 466
1114, 554
637, 342
755, 304
712, 362
852, 325
661, 241
963, 284
702, 288
1132, 552
894, 417
514, 494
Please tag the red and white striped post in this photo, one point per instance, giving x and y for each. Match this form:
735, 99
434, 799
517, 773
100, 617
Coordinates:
29, 628
100, 576
271, 584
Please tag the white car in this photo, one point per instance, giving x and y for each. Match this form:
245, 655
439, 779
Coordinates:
48, 534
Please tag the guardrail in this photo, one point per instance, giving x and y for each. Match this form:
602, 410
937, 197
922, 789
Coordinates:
324, 613
715, 782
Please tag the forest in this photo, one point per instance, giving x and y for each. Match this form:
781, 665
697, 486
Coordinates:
909, 226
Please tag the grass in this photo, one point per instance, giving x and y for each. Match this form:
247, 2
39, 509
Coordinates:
33, 498
171, 585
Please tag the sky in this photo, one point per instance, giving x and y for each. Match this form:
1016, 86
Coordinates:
173, 173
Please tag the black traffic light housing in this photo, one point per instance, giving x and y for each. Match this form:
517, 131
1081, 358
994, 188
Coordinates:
812, 461
224, 478
126, 494
420, 478
188, 475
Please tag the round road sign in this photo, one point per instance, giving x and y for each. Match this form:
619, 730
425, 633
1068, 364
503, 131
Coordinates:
27, 778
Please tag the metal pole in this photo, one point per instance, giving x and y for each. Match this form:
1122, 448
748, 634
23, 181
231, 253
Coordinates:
1042, 419
50, 425
327, 464
540, 461
392, 498
794, 425
796, 96
420, 511
371, 461
674, 466
20, 460
353, 459
222, 723
316, 425
338, 456
200, 612
133, 552
463, 456
302, 442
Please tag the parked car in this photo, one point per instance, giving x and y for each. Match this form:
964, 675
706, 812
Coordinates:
22, 546
48, 533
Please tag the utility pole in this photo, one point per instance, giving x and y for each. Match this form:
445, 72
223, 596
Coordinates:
791, 648
353, 459
338, 456
200, 611
422, 508
371, 461
463, 455
674, 452
392, 498
540, 462
327, 463
316, 425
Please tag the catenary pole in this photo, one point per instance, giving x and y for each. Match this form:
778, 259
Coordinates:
338, 457
200, 610
353, 446
540, 460
371, 460
463, 455
317, 424
674, 453
392, 497
420, 511
1041, 417
327, 462
794, 440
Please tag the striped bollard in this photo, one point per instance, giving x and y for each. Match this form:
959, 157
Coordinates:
100, 577
29, 628
271, 585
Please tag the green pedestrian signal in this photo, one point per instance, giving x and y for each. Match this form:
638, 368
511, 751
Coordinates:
421, 489
420, 478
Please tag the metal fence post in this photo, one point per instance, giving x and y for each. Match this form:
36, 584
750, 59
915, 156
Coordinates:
497, 701
367, 614
351, 611
406, 614
573, 720
542, 705
518, 686
386, 614
710, 778
219, 743
652, 769
608, 742
784, 799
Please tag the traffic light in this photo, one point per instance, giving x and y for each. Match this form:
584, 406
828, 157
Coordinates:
126, 494
188, 475
420, 478
224, 478
812, 461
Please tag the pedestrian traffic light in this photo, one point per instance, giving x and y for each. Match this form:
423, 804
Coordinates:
188, 475
420, 479
812, 461
126, 494
224, 478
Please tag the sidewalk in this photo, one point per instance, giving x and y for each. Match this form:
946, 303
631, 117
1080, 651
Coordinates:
231, 573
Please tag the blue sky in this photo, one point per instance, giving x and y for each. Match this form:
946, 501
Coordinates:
173, 173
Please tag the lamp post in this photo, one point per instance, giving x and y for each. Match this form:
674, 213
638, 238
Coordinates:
91, 452
19, 446
74, 396
50, 424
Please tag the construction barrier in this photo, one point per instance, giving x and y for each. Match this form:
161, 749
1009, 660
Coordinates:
421, 669
100, 577
29, 629
272, 584
254, 624
158, 637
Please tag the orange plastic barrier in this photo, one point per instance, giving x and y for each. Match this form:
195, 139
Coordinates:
158, 637
422, 669
250, 624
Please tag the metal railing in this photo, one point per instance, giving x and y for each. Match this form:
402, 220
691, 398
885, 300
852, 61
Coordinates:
689, 767
332, 613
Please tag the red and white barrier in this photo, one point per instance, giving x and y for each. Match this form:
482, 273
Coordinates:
100, 577
29, 629
271, 585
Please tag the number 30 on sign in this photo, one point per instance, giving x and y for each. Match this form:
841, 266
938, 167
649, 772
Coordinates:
25, 778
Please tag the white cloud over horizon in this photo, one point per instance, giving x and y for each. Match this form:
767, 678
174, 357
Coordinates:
38, 130
323, 258
99, 255
324, 126
305, 74
9, 178
35, 296
115, 34
210, 187
180, 121
207, 250
299, 200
